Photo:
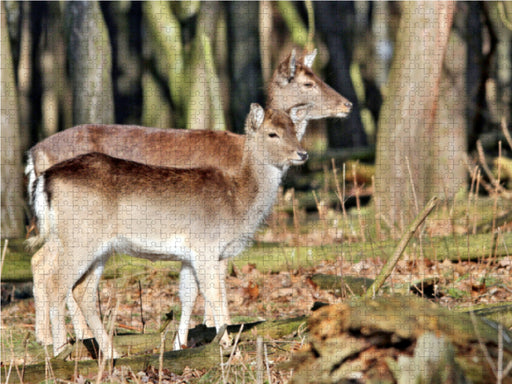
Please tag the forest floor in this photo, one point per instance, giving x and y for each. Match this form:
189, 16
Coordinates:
275, 279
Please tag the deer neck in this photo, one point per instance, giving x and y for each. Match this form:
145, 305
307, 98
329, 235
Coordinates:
259, 182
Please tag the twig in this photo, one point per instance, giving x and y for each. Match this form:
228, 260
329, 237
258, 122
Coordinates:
228, 364
481, 343
378, 227
266, 363
390, 265
358, 203
259, 360
413, 188
477, 188
222, 365
163, 335
339, 194
506, 194
4, 252
506, 132
500, 353
141, 311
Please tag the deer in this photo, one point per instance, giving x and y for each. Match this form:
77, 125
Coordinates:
293, 83
94, 204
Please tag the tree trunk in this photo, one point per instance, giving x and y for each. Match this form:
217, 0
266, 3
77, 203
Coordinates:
407, 123
90, 63
474, 72
163, 37
124, 23
12, 174
502, 73
449, 143
245, 63
335, 21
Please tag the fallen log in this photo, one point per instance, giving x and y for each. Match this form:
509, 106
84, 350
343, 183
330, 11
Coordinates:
205, 356
387, 339
201, 357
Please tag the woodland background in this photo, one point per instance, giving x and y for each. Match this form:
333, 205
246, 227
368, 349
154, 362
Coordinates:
431, 88
422, 96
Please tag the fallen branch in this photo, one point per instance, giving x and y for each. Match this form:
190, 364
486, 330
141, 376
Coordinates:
390, 264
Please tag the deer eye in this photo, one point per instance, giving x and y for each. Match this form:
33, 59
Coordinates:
273, 134
309, 84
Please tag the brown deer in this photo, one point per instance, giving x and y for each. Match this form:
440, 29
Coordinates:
293, 83
94, 204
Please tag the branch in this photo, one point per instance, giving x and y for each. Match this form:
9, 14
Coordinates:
388, 267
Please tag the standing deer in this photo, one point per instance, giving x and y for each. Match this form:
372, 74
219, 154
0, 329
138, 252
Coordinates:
93, 205
293, 83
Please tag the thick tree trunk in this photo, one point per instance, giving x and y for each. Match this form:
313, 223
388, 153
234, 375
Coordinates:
407, 122
11, 155
90, 62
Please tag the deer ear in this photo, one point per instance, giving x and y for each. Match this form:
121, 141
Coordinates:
256, 117
299, 115
300, 112
286, 69
309, 58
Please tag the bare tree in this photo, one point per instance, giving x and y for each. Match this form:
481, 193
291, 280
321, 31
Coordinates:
407, 124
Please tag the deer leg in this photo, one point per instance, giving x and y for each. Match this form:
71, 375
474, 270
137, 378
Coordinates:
85, 294
188, 294
82, 330
60, 279
41, 264
40, 272
208, 273
208, 315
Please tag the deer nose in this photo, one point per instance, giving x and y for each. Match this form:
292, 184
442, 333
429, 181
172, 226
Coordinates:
347, 104
303, 155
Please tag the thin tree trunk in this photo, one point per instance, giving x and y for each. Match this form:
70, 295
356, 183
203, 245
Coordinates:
11, 155
335, 21
124, 23
245, 63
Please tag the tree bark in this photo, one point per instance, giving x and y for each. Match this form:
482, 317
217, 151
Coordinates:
449, 142
11, 154
90, 63
407, 121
